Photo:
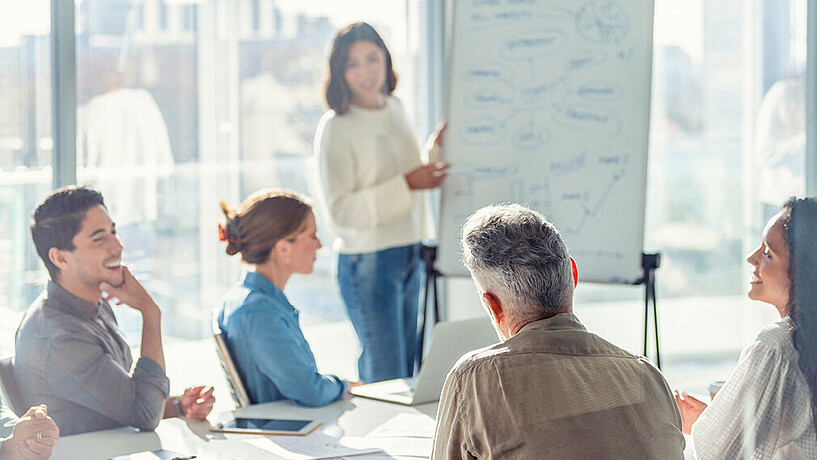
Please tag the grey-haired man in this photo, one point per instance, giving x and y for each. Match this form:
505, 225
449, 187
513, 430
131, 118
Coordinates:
549, 389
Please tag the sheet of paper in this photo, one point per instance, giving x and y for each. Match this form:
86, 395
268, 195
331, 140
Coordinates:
406, 425
314, 446
144, 456
160, 454
393, 447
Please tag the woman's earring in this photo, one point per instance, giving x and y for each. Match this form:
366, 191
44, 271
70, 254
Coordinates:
286, 261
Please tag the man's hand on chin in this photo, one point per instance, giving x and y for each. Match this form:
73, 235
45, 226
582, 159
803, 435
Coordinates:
131, 293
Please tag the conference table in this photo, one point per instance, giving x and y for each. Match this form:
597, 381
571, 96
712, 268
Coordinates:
353, 425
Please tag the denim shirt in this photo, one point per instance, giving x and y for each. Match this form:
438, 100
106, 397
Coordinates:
72, 356
265, 340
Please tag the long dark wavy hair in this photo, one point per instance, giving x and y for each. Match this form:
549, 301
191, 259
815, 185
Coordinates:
338, 94
799, 217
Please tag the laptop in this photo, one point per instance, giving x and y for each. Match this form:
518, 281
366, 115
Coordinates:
449, 342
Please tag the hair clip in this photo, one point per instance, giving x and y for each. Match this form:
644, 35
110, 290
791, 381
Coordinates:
222, 233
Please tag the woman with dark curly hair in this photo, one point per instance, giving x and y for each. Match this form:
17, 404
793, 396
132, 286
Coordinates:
766, 409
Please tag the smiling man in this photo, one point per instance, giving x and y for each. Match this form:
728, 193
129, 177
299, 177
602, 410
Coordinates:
71, 353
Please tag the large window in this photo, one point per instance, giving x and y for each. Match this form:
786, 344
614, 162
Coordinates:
727, 138
25, 151
727, 147
180, 104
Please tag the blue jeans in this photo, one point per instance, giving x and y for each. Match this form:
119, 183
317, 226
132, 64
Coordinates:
381, 291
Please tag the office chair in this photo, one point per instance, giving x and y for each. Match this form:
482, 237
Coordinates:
8, 383
237, 390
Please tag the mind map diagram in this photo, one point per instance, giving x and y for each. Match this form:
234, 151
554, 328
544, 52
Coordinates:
541, 90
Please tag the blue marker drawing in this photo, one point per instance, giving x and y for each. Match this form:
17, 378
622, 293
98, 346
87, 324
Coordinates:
602, 21
543, 92
581, 198
483, 131
545, 99
531, 137
489, 73
585, 118
536, 42
584, 59
600, 91
570, 165
485, 98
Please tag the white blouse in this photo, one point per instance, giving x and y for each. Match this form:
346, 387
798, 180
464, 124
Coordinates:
763, 410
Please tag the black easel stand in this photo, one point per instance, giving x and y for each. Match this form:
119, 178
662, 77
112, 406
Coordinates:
429, 256
650, 262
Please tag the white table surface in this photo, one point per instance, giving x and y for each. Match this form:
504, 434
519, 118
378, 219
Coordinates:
355, 417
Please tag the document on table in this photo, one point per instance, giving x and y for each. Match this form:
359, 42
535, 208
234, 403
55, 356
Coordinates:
160, 454
394, 447
313, 446
320, 446
407, 426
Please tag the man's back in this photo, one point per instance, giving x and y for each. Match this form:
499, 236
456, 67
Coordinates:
556, 391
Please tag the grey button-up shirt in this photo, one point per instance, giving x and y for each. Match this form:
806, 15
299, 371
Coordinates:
72, 356
556, 391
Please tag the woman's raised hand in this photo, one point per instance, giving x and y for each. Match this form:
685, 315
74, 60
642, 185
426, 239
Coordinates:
427, 176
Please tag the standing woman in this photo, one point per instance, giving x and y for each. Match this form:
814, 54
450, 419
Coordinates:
766, 409
372, 178
275, 233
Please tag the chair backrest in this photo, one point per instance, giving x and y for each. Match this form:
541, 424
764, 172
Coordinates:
8, 383
237, 390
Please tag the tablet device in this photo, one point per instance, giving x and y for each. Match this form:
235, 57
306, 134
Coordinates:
267, 426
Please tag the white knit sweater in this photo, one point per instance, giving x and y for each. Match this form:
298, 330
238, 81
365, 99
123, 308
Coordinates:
362, 157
